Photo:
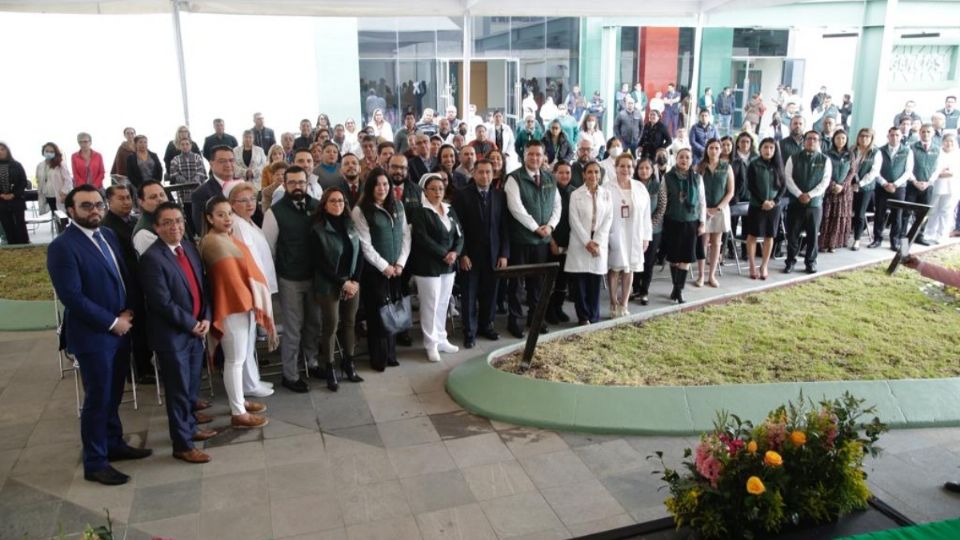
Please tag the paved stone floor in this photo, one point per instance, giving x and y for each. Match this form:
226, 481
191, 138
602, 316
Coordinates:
390, 458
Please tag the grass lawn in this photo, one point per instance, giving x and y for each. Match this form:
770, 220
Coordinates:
23, 273
856, 325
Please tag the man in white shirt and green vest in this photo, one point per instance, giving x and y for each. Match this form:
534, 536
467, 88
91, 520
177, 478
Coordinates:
535, 206
920, 188
895, 171
808, 174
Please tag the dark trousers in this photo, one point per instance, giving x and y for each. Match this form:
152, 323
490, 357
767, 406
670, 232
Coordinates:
14, 225
861, 201
376, 289
525, 254
880, 216
104, 375
914, 195
180, 371
560, 285
807, 219
586, 296
642, 280
480, 286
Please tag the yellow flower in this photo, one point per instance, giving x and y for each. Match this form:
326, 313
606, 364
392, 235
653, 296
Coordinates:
798, 438
772, 459
752, 447
755, 486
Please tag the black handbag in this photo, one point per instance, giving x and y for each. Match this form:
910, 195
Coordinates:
396, 315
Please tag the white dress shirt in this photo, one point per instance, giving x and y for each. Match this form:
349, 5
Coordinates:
519, 212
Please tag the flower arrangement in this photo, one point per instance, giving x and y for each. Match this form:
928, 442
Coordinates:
802, 464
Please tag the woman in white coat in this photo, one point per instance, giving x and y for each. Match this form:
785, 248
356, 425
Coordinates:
381, 128
946, 190
54, 180
591, 214
249, 159
630, 233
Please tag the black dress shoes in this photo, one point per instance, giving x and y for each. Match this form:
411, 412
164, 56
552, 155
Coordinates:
811, 268
403, 338
392, 362
146, 379
490, 334
921, 241
788, 268
515, 331
299, 386
107, 477
128, 453
317, 372
953, 487
469, 343
874, 244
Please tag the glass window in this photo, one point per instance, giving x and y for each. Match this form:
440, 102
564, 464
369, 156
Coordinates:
562, 55
418, 88
760, 42
381, 77
491, 37
629, 43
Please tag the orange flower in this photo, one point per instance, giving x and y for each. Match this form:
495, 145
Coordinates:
772, 459
752, 447
798, 438
755, 486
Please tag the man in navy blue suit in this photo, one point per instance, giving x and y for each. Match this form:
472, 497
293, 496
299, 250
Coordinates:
178, 319
88, 272
481, 210
221, 169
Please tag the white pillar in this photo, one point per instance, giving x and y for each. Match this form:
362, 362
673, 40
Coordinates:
608, 74
178, 42
467, 53
695, 80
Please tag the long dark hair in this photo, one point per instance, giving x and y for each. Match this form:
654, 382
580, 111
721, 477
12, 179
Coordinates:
7, 148
208, 210
366, 202
776, 162
57, 156
320, 212
833, 143
702, 166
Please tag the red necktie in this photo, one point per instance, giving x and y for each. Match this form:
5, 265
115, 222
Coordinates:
398, 193
353, 191
536, 180
191, 279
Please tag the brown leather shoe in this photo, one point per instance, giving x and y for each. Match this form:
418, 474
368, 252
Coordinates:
205, 434
192, 455
250, 422
255, 407
203, 418
201, 405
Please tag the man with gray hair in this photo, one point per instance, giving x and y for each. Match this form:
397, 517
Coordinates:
628, 126
584, 151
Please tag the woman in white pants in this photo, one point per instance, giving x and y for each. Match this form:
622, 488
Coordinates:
437, 240
243, 200
947, 190
241, 300
630, 232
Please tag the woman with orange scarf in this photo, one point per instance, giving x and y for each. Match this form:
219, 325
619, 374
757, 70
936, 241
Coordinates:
241, 300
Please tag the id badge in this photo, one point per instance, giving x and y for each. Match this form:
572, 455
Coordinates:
625, 211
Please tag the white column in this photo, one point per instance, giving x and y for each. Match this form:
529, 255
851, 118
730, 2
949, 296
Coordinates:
609, 68
695, 80
178, 42
467, 53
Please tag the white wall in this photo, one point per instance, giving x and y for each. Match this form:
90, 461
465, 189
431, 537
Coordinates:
828, 62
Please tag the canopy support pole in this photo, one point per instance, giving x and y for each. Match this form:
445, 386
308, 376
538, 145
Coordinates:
181, 65
694, 114
465, 80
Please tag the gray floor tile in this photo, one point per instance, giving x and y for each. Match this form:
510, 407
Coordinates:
37, 520
400, 528
556, 469
421, 459
234, 458
613, 457
478, 450
524, 441
385, 409
460, 424
497, 480
367, 434
407, 432
466, 522
249, 522
299, 480
185, 527
165, 501
522, 514
373, 502
224, 491
295, 449
307, 514
582, 502
436, 491
638, 493
337, 414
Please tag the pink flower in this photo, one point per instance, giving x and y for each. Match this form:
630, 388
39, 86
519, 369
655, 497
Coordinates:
733, 445
776, 435
706, 463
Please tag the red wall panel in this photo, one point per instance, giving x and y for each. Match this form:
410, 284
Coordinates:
659, 49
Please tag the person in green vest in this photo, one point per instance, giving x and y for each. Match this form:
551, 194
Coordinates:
150, 195
657, 190
807, 175
765, 187
436, 243
287, 229
920, 188
683, 220
792, 145
559, 241
531, 131
535, 207
639, 97
866, 162
895, 169
385, 239
718, 187
838, 199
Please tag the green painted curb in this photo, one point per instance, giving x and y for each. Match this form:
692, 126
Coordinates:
21, 315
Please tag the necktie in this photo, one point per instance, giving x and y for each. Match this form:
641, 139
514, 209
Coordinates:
398, 193
300, 206
184, 263
105, 251
483, 201
353, 191
536, 180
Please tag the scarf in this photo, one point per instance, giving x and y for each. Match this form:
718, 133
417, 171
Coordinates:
237, 286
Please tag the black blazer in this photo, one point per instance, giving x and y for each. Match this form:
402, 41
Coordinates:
483, 238
416, 169
169, 305
133, 171
124, 232
198, 199
431, 242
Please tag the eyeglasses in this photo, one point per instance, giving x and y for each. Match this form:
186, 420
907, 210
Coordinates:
85, 141
179, 222
336, 201
87, 206
245, 200
297, 183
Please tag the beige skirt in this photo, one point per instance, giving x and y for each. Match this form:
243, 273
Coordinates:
719, 223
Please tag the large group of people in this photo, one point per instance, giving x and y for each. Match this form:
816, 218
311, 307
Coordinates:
332, 226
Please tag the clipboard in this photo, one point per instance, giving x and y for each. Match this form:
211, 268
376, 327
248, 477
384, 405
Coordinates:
920, 211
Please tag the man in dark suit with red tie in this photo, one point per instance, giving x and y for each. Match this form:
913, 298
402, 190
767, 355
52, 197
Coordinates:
88, 272
482, 212
178, 316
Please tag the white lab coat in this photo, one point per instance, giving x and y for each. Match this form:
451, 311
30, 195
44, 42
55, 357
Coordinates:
579, 260
628, 235
258, 160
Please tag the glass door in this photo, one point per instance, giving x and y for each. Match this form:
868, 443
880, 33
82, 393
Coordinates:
514, 94
448, 92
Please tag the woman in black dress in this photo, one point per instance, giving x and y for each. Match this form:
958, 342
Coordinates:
765, 186
683, 222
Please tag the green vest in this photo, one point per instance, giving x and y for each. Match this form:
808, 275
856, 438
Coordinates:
715, 183
807, 173
653, 189
924, 161
893, 167
761, 183
865, 165
790, 148
683, 193
538, 202
386, 231
327, 248
840, 166
145, 222
293, 242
